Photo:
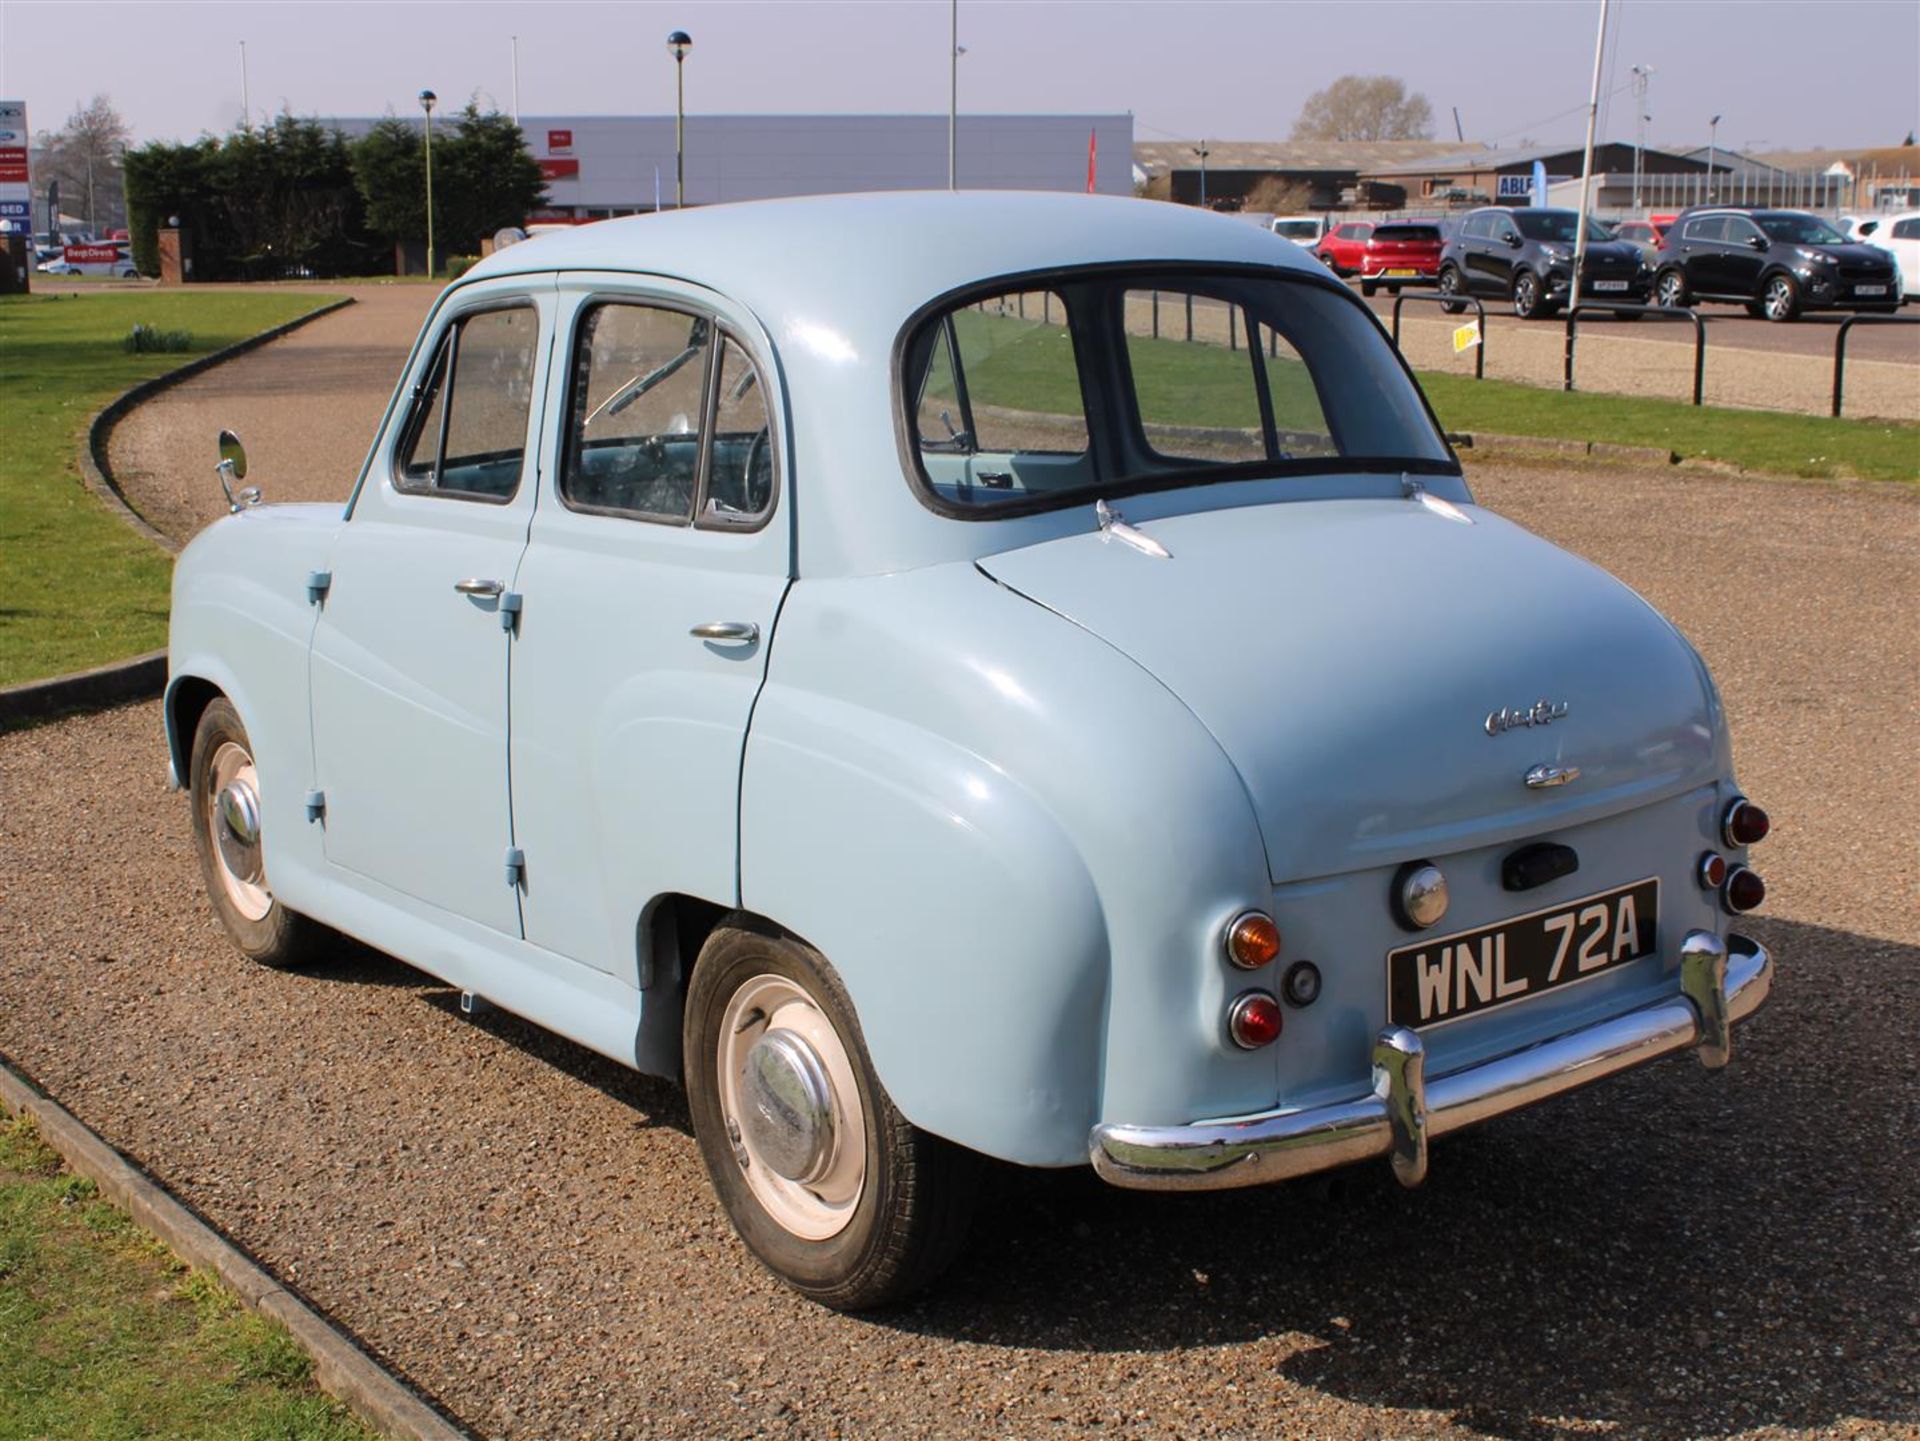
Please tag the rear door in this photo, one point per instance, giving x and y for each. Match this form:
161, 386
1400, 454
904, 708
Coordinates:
654, 568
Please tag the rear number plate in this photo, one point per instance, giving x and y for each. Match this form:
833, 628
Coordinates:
1869, 290
1403, 270
1609, 285
1461, 975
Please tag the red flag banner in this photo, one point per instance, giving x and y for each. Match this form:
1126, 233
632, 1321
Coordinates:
1093, 151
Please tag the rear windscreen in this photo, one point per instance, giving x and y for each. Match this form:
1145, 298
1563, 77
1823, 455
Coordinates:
1407, 232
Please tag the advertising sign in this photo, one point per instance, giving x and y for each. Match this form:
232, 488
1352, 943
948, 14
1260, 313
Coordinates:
90, 254
16, 196
16, 210
559, 142
560, 169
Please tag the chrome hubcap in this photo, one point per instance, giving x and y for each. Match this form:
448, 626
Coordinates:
233, 825
1778, 297
792, 1107
1670, 291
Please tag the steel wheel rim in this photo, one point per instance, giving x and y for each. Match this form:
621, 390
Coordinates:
237, 858
770, 1007
1779, 297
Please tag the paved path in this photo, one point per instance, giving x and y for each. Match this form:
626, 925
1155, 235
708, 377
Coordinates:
306, 406
527, 1231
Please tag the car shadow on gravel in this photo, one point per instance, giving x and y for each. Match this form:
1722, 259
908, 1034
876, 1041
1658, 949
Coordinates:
1673, 1252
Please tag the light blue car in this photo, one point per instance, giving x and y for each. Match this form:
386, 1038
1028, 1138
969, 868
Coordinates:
964, 675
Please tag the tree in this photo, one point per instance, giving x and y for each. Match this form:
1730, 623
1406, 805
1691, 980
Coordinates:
483, 180
84, 156
1365, 107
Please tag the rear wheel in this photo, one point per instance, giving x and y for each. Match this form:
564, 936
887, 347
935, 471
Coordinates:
833, 1189
224, 788
1450, 285
1780, 298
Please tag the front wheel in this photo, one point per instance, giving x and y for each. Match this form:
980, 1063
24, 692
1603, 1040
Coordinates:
1527, 304
224, 790
1670, 290
1450, 285
833, 1189
1780, 299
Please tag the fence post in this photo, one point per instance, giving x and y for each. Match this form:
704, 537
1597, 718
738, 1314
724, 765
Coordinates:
1233, 328
1156, 315
1189, 315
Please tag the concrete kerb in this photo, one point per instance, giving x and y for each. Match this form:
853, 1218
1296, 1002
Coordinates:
97, 470
340, 1366
143, 676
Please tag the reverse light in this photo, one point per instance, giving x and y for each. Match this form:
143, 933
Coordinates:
1419, 895
1743, 823
1253, 940
1302, 984
1743, 891
1254, 1020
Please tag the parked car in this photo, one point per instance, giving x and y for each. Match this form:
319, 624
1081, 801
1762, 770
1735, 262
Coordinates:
1899, 235
1344, 248
1300, 229
1525, 255
1777, 262
1401, 253
845, 652
1644, 234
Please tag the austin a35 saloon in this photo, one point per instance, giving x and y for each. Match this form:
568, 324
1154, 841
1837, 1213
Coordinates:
960, 676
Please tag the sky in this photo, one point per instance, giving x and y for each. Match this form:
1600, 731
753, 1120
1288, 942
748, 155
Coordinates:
1785, 74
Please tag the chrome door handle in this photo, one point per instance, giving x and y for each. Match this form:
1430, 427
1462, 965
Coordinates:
728, 632
491, 588
1545, 777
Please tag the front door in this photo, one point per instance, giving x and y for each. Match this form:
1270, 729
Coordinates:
1743, 257
654, 569
409, 659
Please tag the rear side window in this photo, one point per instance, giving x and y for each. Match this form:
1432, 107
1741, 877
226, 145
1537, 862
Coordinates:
467, 436
1906, 229
667, 419
1712, 227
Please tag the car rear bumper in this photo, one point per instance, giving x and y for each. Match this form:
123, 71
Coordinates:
1721, 982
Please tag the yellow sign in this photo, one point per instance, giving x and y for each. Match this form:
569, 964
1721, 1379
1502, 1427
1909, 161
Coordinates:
1465, 337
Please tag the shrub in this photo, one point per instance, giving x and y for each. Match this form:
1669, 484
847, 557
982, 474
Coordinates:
144, 339
459, 265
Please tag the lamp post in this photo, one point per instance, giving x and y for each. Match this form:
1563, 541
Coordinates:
1713, 136
427, 99
1641, 74
246, 91
679, 43
1203, 152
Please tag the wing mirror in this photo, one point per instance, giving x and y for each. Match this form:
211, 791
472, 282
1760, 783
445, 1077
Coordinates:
1756, 242
1512, 238
233, 467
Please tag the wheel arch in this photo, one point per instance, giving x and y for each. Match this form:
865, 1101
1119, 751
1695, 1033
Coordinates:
187, 699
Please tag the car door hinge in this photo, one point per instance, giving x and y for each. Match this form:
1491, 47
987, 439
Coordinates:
516, 866
319, 582
510, 610
316, 805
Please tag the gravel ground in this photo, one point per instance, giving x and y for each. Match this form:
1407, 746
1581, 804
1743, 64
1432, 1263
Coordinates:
525, 1230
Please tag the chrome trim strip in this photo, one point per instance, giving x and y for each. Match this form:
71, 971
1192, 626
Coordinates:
1391, 1121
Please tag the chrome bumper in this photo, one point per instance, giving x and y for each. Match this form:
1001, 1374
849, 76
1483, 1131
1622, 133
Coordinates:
1720, 983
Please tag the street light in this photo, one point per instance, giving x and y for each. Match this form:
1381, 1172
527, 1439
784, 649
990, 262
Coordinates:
427, 100
1713, 135
679, 43
1202, 151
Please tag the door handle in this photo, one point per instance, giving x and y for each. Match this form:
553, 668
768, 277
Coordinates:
727, 632
489, 588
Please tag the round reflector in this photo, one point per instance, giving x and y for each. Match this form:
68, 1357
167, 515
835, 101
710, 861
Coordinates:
1744, 890
1254, 1020
1713, 870
1302, 985
1745, 824
1253, 940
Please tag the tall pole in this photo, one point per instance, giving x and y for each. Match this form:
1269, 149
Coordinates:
246, 93
1202, 151
1641, 74
427, 97
1586, 163
953, 98
516, 78
679, 43
1713, 136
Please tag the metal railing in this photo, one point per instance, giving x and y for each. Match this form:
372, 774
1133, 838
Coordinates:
1662, 312
1444, 301
1840, 346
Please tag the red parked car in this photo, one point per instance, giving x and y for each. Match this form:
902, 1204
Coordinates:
1342, 248
1403, 253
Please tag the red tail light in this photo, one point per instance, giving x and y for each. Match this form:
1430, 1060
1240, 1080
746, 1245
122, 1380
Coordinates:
1254, 1020
1713, 871
1743, 891
1744, 823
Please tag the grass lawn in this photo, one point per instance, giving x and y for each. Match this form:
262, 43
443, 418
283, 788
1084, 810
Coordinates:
1020, 365
78, 588
104, 1334
1809, 445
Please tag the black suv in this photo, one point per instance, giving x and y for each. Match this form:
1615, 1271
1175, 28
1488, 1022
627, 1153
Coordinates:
1778, 262
1526, 255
